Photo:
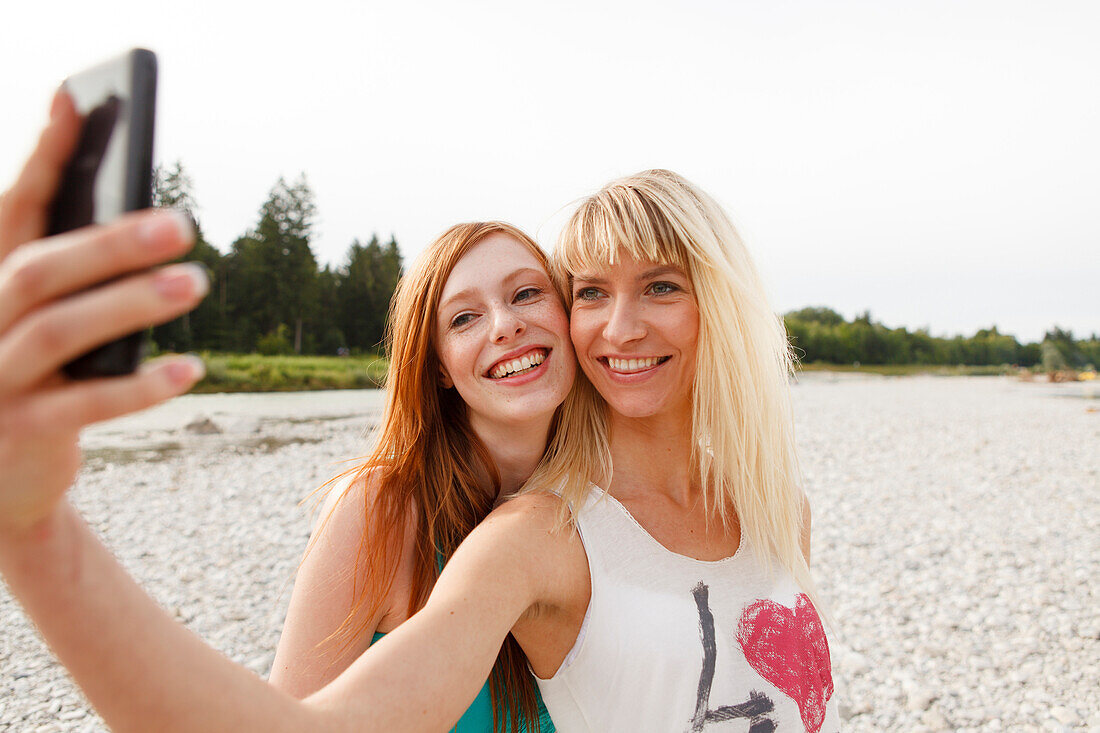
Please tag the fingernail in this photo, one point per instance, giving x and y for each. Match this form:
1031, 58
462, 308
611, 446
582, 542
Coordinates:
186, 370
58, 99
182, 281
167, 226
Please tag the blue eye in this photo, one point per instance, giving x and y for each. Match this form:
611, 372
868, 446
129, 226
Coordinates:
586, 294
663, 288
461, 320
528, 293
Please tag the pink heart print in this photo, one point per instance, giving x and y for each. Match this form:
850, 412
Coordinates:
788, 648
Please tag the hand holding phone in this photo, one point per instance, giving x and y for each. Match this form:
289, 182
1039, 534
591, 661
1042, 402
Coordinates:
61, 296
109, 173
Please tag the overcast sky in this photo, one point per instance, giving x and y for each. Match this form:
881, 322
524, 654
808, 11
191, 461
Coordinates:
937, 163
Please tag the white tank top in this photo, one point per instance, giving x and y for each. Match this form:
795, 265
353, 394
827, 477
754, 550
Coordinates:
670, 643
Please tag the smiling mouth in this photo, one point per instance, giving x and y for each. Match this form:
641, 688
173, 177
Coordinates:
632, 366
520, 365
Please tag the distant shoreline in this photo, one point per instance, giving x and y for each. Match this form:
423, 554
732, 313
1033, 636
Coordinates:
245, 373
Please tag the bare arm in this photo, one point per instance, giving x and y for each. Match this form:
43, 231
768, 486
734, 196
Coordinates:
143, 671
429, 669
140, 670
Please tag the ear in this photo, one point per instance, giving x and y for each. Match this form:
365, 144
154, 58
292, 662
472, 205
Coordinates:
445, 380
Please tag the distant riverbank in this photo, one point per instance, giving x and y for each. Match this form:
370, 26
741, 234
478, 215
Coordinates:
258, 373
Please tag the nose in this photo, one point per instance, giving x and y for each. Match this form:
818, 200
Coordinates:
624, 323
505, 325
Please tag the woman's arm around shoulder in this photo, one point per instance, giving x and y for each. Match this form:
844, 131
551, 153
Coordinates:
142, 671
330, 580
428, 670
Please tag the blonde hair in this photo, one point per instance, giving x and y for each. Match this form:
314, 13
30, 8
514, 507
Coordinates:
742, 422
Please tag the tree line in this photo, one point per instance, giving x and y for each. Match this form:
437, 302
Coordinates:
268, 294
821, 334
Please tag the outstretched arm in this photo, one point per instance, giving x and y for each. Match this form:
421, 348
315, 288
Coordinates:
143, 671
59, 297
139, 668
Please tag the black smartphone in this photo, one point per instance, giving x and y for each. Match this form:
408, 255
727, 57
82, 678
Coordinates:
109, 173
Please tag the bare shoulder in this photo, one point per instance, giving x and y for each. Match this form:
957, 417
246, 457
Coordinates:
341, 541
345, 513
325, 597
542, 507
521, 535
525, 536
529, 522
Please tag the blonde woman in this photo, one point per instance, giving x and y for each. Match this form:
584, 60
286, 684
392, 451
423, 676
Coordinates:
683, 601
697, 544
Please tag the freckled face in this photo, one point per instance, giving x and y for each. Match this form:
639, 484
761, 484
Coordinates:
502, 334
635, 328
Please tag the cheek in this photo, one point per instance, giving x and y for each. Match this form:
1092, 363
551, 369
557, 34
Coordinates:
687, 330
580, 332
555, 320
454, 357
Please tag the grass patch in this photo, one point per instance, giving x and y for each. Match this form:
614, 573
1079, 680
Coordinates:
257, 373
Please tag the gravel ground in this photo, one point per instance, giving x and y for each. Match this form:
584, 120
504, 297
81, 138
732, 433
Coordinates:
956, 534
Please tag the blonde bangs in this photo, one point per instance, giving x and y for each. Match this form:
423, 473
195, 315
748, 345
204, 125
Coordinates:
616, 224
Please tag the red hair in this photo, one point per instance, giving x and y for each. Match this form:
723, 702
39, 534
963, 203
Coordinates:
427, 461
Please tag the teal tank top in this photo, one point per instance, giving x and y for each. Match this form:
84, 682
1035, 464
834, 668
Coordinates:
478, 718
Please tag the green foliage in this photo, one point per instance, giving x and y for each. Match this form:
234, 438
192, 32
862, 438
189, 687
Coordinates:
257, 373
1053, 358
205, 326
366, 286
821, 335
275, 343
1060, 347
272, 272
817, 314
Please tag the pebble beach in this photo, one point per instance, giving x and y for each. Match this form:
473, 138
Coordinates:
956, 538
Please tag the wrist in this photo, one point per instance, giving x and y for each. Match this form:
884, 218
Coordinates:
33, 537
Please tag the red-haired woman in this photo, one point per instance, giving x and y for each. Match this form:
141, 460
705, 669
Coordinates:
479, 343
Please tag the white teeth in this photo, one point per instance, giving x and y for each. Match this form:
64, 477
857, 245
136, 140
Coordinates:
528, 361
633, 365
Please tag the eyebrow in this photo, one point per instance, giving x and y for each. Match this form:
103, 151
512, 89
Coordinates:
659, 271
647, 275
510, 277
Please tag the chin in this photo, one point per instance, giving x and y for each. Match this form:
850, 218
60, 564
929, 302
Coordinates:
633, 409
537, 407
